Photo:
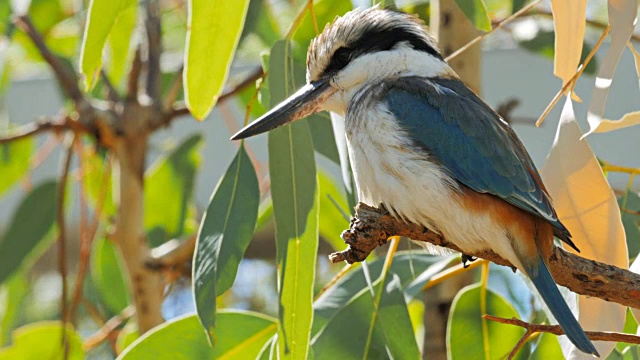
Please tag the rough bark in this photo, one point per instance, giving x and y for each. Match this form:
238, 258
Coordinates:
372, 227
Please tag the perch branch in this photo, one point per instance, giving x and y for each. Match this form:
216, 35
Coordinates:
557, 330
372, 227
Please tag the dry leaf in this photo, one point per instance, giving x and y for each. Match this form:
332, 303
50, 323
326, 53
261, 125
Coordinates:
587, 206
569, 23
622, 18
606, 125
636, 59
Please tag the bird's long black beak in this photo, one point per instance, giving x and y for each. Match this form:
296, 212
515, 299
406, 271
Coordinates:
304, 102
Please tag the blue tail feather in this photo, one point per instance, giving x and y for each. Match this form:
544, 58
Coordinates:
541, 278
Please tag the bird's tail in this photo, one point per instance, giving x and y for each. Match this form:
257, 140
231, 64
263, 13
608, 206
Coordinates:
546, 286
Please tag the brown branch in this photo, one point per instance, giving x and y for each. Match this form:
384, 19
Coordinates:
112, 93
154, 49
174, 90
42, 125
557, 330
174, 256
108, 328
134, 76
372, 227
62, 239
65, 77
181, 109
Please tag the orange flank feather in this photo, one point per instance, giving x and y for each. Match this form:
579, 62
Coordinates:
529, 234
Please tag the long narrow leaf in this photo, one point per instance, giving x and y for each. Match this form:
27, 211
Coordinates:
214, 30
102, 15
294, 192
225, 233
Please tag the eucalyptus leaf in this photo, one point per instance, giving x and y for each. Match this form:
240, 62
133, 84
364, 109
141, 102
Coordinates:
31, 222
14, 161
41, 340
213, 33
225, 233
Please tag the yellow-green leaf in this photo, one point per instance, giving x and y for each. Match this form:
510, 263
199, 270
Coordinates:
41, 340
214, 30
476, 12
100, 20
120, 43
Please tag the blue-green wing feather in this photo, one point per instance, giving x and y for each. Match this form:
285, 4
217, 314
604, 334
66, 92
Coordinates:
468, 138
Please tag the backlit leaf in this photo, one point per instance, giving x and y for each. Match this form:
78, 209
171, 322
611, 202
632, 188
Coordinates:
213, 33
168, 209
476, 12
41, 340
587, 206
294, 193
33, 219
569, 23
239, 335
108, 276
100, 20
622, 18
465, 333
120, 43
225, 233
15, 289
333, 209
14, 162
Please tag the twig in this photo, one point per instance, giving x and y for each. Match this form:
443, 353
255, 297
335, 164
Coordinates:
66, 78
372, 227
181, 109
174, 90
453, 271
154, 49
62, 239
557, 330
108, 328
112, 93
498, 25
87, 237
571, 83
173, 255
42, 125
134, 76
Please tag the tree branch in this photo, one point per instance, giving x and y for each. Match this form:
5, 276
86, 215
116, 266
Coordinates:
557, 330
181, 109
65, 77
134, 76
372, 227
154, 49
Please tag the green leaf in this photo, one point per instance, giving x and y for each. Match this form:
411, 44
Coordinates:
239, 335
225, 233
120, 43
547, 347
15, 290
393, 317
32, 220
465, 329
476, 12
107, 274
630, 201
100, 20
408, 265
323, 139
517, 5
14, 162
98, 183
345, 335
169, 190
41, 340
127, 336
334, 211
214, 30
295, 206
543, 45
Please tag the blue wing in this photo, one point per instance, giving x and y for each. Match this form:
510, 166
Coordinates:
480, 150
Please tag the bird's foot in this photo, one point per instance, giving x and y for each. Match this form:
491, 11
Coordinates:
466, 259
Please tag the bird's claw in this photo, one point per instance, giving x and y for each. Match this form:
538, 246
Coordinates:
466, 259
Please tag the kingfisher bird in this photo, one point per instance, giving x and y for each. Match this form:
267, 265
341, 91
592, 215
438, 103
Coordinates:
427, 148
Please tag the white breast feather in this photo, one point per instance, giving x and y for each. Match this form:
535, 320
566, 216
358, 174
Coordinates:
389, 171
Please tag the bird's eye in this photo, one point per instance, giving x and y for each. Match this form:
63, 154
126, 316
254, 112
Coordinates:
342, 56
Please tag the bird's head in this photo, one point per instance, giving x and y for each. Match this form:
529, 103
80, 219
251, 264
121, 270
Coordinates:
362, 47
